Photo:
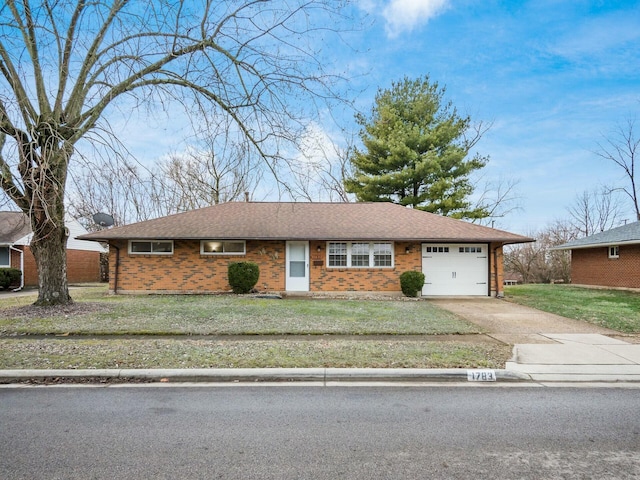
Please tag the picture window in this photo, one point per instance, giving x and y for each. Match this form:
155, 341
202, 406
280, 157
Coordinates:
359, 254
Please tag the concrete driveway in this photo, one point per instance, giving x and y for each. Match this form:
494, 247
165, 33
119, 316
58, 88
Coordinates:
512, 323
551, 348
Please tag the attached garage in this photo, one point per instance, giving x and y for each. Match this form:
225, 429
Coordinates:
455, 269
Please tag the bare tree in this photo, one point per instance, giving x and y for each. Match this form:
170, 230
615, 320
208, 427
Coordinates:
595, 211
63, 64
537, 262
498, 198
623, 148
199, 178
321, 170
120, 188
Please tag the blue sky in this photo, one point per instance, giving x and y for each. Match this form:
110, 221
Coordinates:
553, 76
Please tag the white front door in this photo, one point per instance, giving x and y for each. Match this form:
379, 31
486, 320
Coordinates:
298, 266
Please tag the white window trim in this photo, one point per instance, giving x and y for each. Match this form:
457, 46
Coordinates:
9, 251
617, 250
151, 253
371, 256
244, 245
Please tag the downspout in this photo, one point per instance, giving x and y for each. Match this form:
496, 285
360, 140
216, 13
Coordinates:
115, 273
11, 247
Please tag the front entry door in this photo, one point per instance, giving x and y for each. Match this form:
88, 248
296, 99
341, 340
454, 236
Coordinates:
298, 266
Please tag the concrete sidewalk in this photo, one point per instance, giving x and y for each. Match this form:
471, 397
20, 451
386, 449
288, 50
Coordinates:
577, 358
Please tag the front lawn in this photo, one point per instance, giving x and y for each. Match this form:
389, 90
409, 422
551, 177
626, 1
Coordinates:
62, 353
96, 313
229, 331
615, 309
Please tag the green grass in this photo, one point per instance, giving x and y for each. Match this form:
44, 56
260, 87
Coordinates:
25, 353
132, 326
615, 309
100, 314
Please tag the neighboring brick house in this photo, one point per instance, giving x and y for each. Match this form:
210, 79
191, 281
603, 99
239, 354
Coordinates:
607, 259
83, 257
306, 247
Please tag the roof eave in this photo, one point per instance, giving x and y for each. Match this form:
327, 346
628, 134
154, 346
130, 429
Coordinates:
354, 238
596, 245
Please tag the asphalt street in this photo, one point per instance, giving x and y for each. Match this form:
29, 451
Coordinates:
301, 432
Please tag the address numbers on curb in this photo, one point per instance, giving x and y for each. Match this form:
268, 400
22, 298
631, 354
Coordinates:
481, 375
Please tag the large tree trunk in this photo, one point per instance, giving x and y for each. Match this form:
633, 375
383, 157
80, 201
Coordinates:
50, 251
46, 183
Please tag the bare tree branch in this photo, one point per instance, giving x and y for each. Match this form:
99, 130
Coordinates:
64, 63
622, 148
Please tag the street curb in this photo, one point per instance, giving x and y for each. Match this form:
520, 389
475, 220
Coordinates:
253, 375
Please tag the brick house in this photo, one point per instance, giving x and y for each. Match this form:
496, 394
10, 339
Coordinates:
83, 257
608, 259
306, 247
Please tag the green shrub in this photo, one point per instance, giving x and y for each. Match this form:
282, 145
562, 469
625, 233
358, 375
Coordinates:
411, 283
243, 276
9, 277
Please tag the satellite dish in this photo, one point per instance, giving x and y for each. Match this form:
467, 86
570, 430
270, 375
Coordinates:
103, 219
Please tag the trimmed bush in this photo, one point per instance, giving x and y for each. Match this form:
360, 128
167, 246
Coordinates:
411, 283
243, 276
9, 277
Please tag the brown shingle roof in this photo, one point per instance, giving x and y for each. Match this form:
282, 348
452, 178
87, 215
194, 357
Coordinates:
308, 221
13, 227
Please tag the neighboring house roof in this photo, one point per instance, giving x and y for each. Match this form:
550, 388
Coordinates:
627, 234
14, 226
15, 229
308, 221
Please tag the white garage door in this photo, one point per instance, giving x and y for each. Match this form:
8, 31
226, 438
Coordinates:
452, 269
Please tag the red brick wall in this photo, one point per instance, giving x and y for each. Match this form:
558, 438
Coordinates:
592, 266
496, 269
187, 271
363, 279
82, 266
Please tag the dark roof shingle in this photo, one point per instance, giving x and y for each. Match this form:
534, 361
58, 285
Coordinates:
629, 234
308, 221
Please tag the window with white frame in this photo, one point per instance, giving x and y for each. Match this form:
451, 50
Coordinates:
360, 254
226, 247
337, 253
614, 251
382, 255
151, 247
5, 257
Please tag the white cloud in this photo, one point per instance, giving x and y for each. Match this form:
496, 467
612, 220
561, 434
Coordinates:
405, 15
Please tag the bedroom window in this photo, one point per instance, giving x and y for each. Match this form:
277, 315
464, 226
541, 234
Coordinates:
614, 251
359, 254
227, 247
151, 247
